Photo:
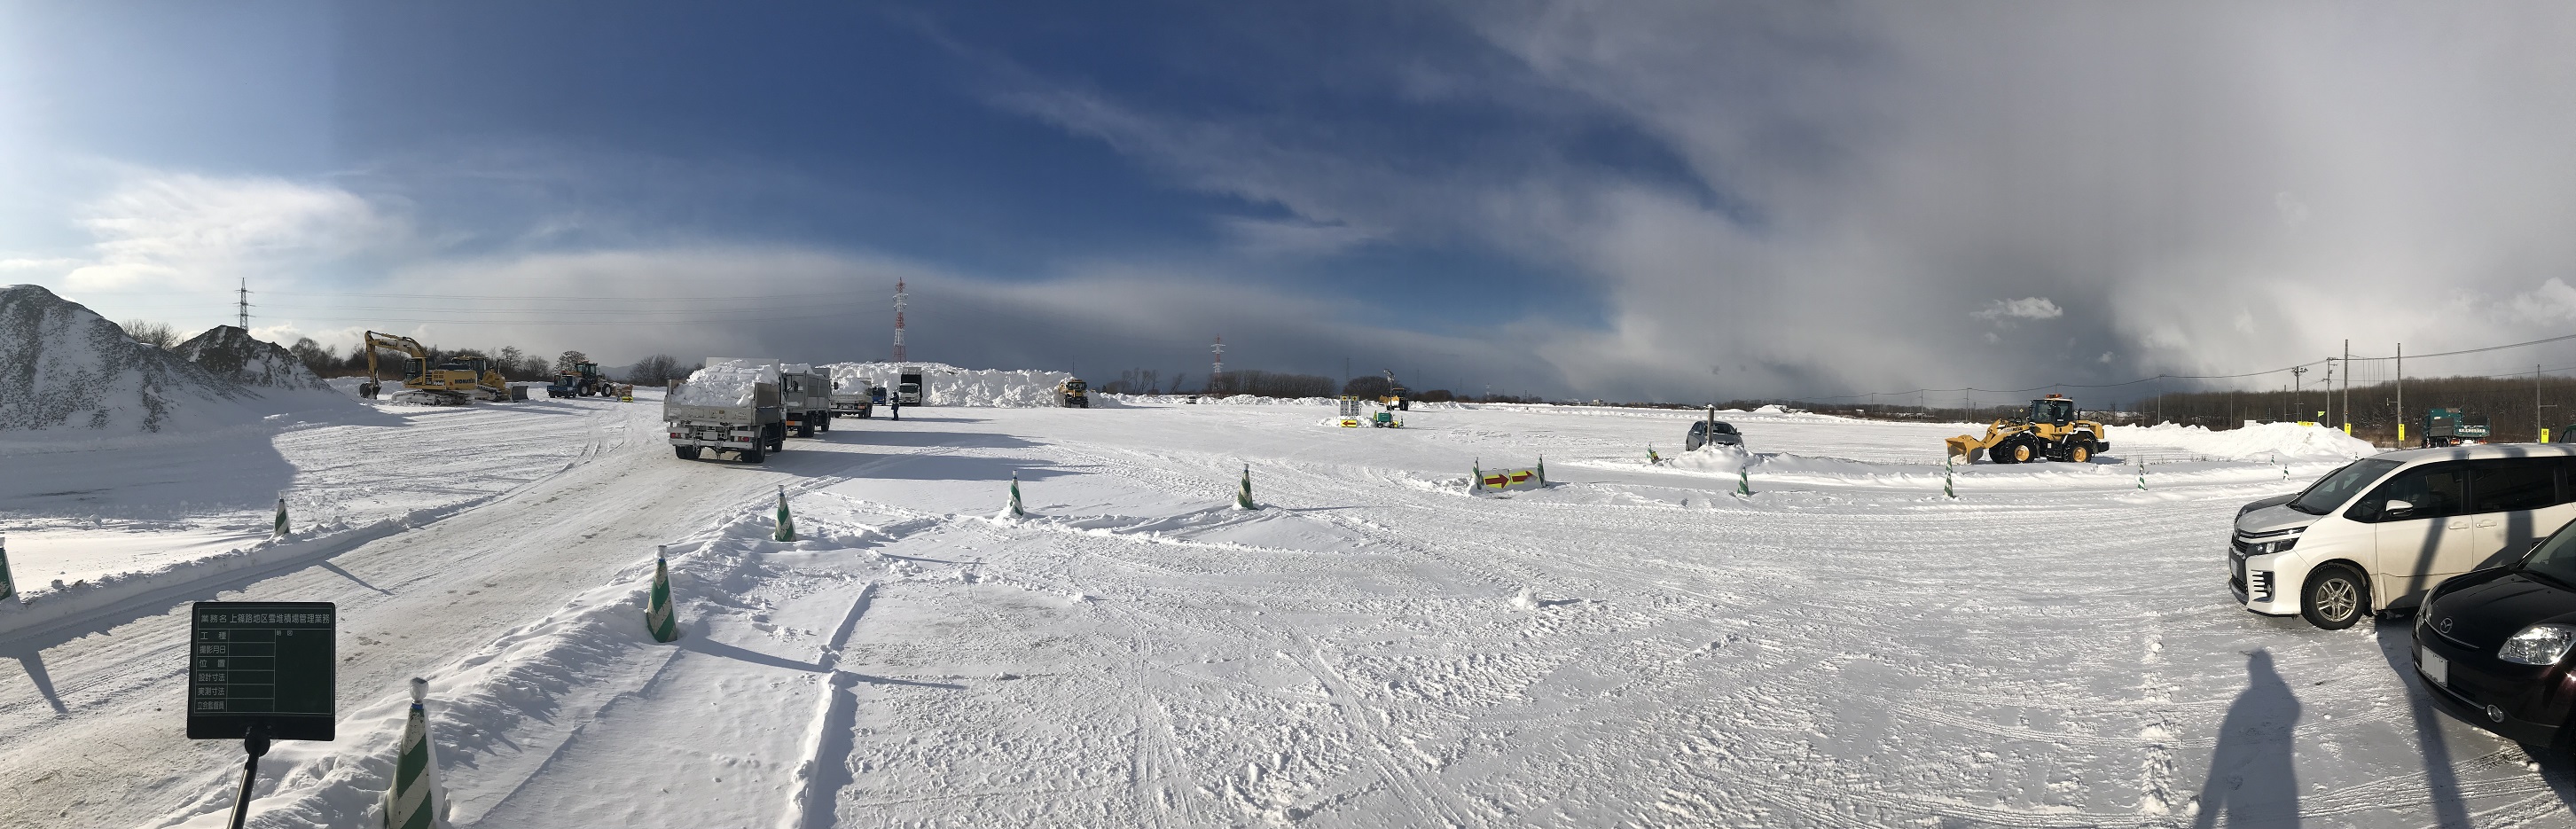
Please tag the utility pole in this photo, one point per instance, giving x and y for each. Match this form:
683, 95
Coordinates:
2401, 395
898, 320
242, 304
2347, 387
2536, 428
2296, 408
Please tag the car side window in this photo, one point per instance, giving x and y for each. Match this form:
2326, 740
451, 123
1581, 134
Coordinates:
2507, 485
2430, 492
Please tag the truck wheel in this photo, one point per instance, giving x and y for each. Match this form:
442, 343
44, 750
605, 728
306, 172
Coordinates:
686, 453
2080, 453
805, 429
753, 456
2334, 597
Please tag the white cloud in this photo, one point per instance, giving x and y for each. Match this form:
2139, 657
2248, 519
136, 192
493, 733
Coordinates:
183, 231
2025, 308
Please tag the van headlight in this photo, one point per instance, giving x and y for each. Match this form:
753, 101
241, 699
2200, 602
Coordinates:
2538, 645
2266, 548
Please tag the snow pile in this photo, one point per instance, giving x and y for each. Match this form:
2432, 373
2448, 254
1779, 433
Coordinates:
2261, 441
1234, 400
229, 352
726, 383
947, 385
64, 366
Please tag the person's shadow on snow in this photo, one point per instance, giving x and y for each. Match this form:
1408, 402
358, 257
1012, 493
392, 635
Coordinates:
2250, 775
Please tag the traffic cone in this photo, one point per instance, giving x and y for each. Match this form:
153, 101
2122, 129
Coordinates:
657, 614
1947, 473
1743, 482
8, 588
786, 522
1652, 459
2142, 473
1243, 496
1476, 476
412, 803
279, 528
1542, 471
1016, 512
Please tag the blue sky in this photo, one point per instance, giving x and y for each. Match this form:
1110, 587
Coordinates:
1642, 200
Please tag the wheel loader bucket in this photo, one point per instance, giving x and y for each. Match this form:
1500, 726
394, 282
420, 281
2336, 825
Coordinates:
1965, 449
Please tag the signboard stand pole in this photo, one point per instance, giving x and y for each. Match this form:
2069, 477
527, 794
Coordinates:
256, 744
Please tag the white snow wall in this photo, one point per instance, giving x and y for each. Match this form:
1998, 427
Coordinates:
946, 385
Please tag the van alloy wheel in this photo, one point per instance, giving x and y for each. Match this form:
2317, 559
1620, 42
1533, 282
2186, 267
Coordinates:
2334, 598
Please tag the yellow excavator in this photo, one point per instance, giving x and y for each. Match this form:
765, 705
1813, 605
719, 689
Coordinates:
452, 382
2051, 430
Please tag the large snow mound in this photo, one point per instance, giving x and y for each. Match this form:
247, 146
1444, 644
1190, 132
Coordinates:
63, 366
726, 383
230, 353
2260, 441
947, 385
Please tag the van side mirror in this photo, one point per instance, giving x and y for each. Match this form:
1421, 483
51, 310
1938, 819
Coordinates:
2396, 509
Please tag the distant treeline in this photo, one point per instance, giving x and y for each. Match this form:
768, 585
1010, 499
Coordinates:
513, 363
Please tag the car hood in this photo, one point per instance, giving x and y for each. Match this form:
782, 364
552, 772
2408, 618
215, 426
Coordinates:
2483, 607
2271, 515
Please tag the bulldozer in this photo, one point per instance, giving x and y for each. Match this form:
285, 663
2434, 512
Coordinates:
2050, 431
452, 382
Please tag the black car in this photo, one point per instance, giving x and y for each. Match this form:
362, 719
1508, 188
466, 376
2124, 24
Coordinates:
2493, 644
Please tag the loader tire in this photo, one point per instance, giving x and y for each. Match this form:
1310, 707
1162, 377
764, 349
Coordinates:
2012, 451
2081, 452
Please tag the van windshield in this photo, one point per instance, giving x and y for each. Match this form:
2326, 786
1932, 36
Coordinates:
2340, 485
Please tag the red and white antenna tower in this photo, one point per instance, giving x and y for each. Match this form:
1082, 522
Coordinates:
898, 320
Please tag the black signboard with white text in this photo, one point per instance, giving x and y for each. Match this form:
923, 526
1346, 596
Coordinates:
263, 668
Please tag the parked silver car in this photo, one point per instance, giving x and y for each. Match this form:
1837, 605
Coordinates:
1705, 432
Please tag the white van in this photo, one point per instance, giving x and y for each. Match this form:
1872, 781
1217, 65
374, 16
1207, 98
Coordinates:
2382, 530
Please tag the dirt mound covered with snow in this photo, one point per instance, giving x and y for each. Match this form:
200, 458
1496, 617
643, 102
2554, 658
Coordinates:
230, 353
63, 366
947, 385
2260, 441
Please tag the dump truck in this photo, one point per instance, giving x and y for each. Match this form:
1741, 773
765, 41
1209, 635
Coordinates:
2452, 427
2050, 430
806, 398
907, 388
749, 422
1075, 393
851, 397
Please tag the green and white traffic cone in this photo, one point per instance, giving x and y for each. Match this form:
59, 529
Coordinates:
1476, 476
1542, 470
2142, 473
1016, 512
8, 588
657, 614
1948, 476
412, 803
1243, 496
278, 528
786, 522
1743, 482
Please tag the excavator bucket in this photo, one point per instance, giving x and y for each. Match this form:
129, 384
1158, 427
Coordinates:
1965, 448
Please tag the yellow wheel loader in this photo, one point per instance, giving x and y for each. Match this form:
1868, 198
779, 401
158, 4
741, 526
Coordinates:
451, 382
2049, 431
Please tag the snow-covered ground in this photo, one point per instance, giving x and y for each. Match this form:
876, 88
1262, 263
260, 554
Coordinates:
1634, 646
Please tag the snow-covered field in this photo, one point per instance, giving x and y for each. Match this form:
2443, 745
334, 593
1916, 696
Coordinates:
1634, 646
